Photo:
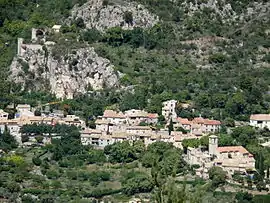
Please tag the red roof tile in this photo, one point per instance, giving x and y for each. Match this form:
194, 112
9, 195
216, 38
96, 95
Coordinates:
184, 121
260, 117
233, 149
152, 115
211, 122
113, 114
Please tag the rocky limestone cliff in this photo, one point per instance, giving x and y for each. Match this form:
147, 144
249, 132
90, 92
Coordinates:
225, 10
37, 68
97, 15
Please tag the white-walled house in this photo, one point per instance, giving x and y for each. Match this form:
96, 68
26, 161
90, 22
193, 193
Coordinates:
90, 137
117, 118
260, 120
168, 109
23, 110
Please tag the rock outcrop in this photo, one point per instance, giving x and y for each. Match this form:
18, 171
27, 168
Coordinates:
97, 15
66, 75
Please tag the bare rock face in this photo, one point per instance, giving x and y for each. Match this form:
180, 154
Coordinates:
225, 10
97, 15
65, 76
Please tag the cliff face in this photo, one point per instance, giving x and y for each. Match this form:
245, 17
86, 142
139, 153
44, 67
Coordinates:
97, 15
69, 71
66, 75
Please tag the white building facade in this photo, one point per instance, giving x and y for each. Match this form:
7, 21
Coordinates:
168, 109
260, 120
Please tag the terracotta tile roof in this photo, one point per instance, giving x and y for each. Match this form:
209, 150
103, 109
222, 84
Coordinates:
138, 128
100, 122
113, 114
260, 117
179, 137
184, 121
233, 149
121, 135
152, 115
211, 122
136, 113
198, 120
91, 131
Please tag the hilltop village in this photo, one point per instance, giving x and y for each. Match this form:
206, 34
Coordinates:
134, 124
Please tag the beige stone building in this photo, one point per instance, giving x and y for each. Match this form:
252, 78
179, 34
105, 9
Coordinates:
230, 158
198, 126
135, 117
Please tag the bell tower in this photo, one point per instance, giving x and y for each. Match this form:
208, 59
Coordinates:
213, 145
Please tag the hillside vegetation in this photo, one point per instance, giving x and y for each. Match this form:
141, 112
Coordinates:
214, 55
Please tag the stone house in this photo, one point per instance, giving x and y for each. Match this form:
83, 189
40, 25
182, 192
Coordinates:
199, 125
138, 130
90, 137
229, 158
117, 118
135, 117
152, 118
73, 120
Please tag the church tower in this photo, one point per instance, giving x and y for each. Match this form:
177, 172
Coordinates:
213, 145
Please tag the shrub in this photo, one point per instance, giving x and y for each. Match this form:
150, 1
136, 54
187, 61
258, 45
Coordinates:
105, 2
137, 184
91, 35
37, 161
128, 17
217, 58
79, 22
52, 174
39, 139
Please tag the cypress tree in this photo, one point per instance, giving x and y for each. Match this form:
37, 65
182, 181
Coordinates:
261, 165
170, 127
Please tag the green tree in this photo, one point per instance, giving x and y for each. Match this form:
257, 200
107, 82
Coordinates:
137, 184
7, 141
225, 140
170, 127
236, 104
217, 176
244, 135
121, 152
